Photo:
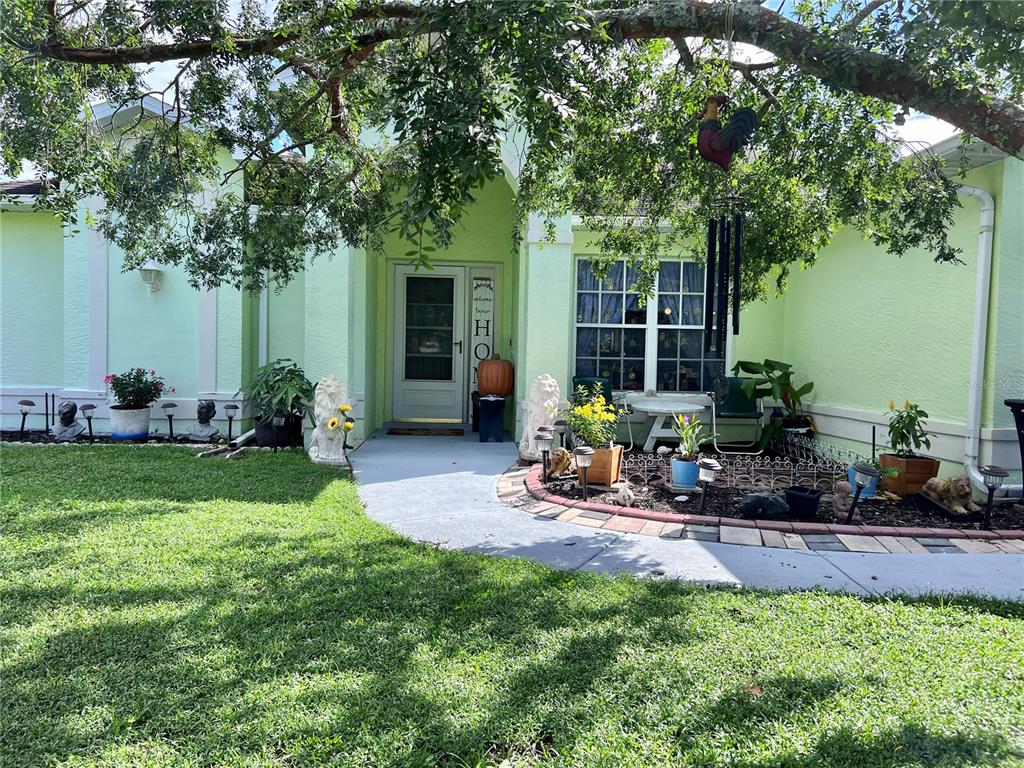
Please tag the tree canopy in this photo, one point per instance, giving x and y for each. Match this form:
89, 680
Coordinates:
351, 119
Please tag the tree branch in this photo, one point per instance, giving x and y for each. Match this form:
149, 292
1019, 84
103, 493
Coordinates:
854, 22
835, 62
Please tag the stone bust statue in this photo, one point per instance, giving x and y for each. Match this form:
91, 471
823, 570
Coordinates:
69, 428
203, 431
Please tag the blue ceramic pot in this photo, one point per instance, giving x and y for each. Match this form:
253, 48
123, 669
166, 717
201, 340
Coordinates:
684, 473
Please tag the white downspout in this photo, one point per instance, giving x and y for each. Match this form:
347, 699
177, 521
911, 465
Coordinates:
979, 338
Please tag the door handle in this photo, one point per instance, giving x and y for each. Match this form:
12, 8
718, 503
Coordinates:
459, 345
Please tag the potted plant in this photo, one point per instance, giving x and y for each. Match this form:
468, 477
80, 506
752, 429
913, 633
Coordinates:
690, 432
592, 420
134, 391
279, 387
775, 380
906, 436
803, 502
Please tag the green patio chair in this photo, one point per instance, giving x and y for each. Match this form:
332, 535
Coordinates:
731, 403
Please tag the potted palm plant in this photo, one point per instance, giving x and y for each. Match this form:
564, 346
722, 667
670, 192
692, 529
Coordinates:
907, 435
279, 388
774, 379
592, 421
134, 391
690, 432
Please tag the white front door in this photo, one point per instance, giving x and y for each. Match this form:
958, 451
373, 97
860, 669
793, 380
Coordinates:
430, 363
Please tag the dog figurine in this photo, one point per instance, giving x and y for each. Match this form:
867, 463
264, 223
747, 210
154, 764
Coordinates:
954, 493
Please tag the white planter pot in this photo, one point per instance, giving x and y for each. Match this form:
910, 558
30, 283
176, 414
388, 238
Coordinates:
129, 423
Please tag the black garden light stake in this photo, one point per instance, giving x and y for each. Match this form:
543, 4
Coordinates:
86, 411
544, 440
169, 413
863, 475
706, 471
561, 425
584, 457
278, 422
994, 478
230, 410
25, 406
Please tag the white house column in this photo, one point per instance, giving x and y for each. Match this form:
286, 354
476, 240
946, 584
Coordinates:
206, 375
98, 287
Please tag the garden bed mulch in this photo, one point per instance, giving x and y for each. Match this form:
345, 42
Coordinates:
911, 512
14, 436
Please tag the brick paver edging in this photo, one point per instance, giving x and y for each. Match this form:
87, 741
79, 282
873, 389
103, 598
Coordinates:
521, 487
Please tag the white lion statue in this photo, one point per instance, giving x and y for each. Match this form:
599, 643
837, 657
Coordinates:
327, 445
540, 410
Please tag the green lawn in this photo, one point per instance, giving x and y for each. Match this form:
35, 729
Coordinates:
162, 610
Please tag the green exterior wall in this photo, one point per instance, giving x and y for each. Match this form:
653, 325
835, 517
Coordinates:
31, 300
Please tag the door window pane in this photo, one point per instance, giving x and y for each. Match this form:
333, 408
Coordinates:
429, 328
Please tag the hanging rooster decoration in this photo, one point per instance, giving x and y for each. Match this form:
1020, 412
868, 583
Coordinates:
718, 143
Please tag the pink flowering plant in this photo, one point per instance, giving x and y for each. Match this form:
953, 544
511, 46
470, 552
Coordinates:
691, 434
136, 387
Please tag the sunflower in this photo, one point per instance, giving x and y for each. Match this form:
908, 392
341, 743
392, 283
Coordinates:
344, 408
348, 426
332, 423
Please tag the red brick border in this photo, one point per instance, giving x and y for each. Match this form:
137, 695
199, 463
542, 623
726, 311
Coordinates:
535, 488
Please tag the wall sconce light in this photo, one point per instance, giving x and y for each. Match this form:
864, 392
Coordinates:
169, 412
150, 272
86, 411
230, 410
25, 406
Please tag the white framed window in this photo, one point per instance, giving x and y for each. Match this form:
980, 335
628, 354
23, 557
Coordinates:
660, 346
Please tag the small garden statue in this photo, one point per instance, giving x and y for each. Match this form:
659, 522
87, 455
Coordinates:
69, 428
203, 431
330, 414
559, 462
625, 496
842, 500
954, 493
540, 410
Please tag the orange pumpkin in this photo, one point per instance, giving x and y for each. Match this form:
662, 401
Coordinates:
495, 377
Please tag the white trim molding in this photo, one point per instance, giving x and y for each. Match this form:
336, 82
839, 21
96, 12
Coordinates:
998, 444
98, 289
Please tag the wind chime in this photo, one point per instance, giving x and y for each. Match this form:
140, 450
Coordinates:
724, 259
717, 143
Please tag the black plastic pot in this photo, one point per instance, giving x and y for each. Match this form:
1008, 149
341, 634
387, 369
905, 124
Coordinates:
283, 437
798, 423
803, 502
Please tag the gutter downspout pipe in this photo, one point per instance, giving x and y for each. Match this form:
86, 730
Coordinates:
979, 339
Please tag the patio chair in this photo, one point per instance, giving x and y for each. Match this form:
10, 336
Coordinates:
602, 385
731, 403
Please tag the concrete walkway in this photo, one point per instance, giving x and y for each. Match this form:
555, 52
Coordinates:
441, 490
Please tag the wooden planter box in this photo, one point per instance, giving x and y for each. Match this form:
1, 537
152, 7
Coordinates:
606, 468
914, 472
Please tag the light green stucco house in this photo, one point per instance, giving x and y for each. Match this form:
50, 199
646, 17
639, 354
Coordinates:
864, 326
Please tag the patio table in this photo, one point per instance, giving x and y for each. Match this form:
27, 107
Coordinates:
662, 408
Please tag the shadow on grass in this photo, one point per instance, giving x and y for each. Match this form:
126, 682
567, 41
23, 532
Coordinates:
304, 634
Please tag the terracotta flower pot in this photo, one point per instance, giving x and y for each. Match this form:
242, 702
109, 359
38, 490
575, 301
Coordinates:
914, 472
606, 468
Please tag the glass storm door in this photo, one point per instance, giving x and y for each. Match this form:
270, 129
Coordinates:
430, 366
